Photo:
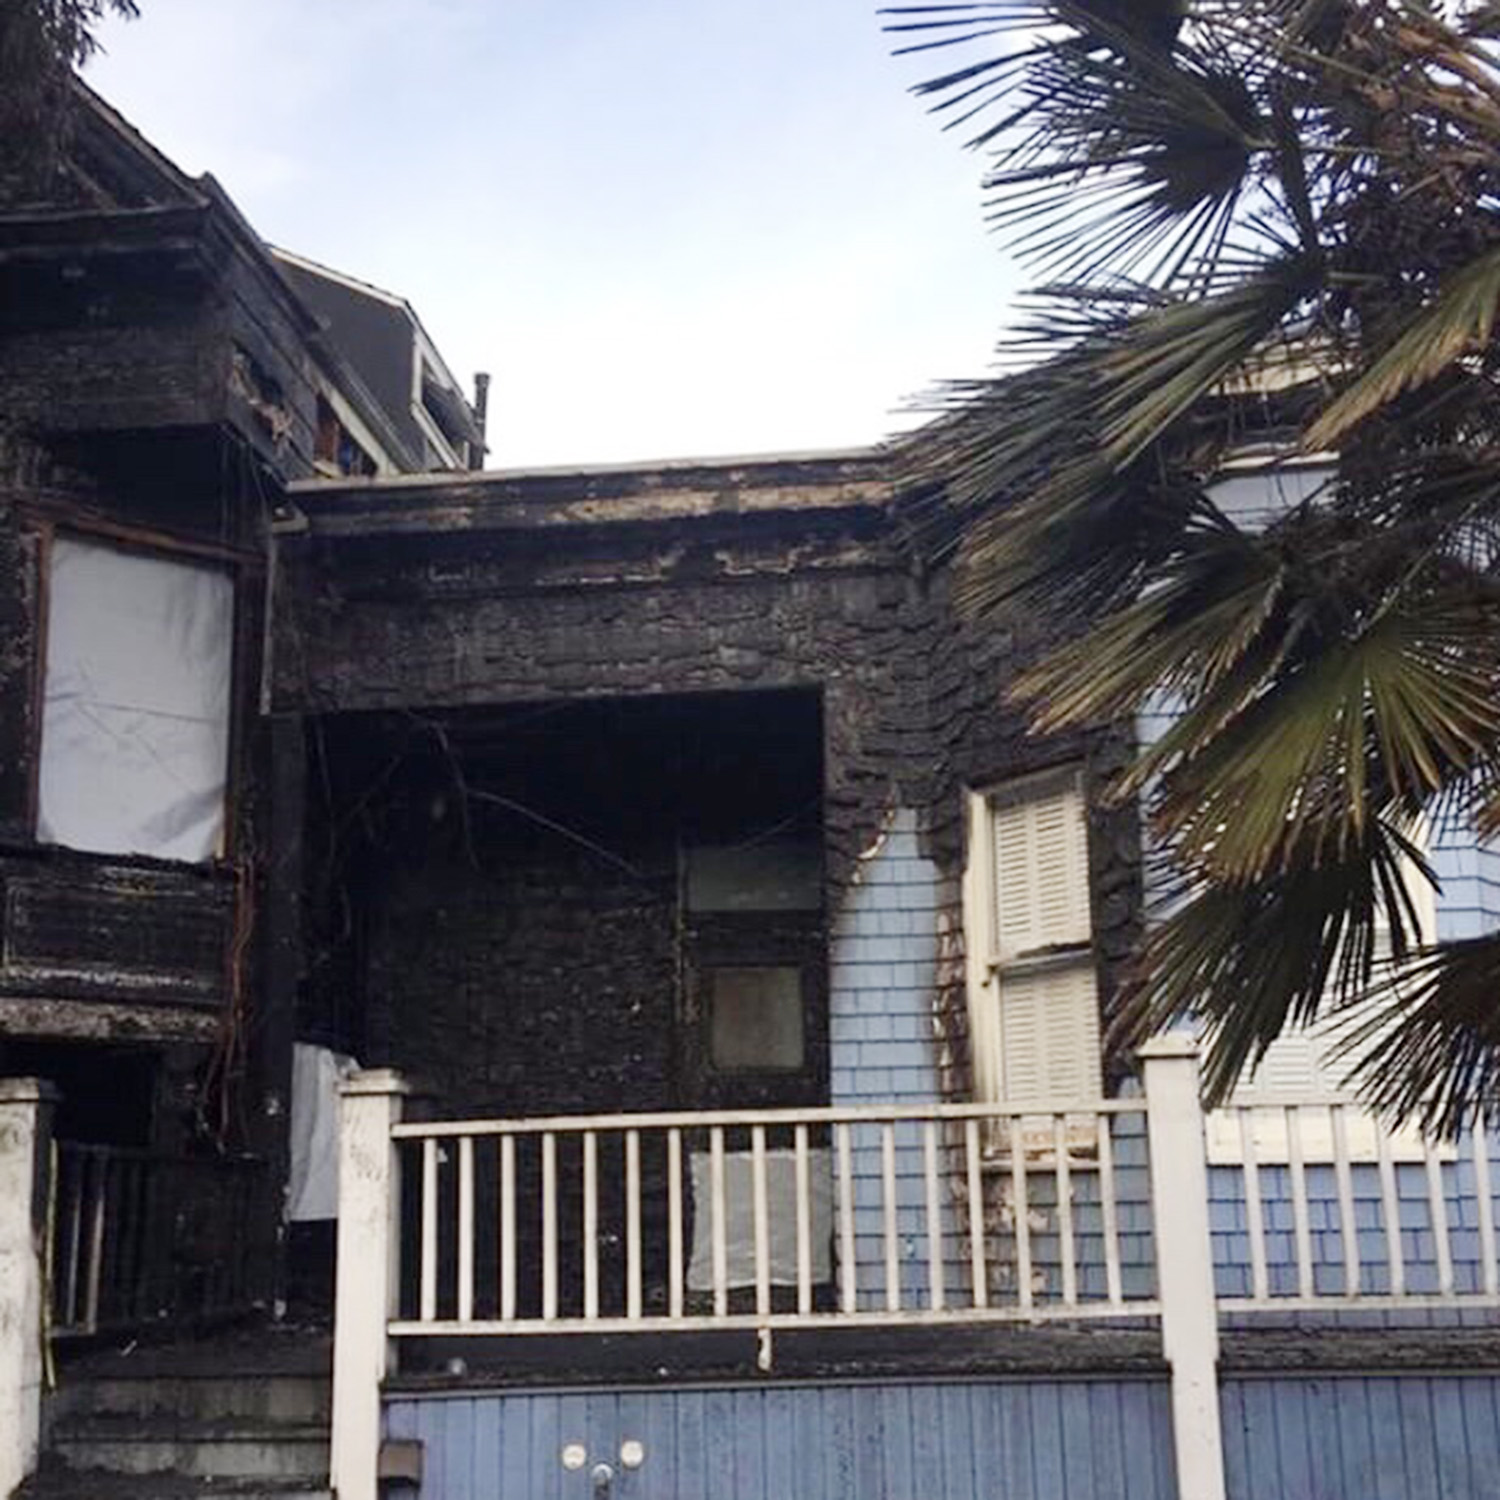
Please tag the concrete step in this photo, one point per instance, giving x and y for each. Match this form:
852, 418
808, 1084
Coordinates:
228, 1448
54, 1482
195, 1397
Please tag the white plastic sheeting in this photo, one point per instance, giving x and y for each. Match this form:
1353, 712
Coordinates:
781, 1214
135, 723
313, 1183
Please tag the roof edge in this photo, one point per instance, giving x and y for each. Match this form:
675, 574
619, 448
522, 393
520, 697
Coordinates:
470, 477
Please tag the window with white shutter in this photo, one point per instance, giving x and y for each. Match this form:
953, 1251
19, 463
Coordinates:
1034, 1002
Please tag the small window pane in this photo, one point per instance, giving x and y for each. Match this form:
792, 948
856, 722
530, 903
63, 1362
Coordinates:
777, 875
755, 1019
135, 723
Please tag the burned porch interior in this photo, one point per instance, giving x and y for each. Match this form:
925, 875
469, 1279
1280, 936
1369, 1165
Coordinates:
578, 906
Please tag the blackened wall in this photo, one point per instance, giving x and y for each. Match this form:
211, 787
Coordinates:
736, 578
543, 987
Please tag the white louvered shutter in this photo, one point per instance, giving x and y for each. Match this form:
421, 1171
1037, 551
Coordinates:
1041, 873
1049, 1036
1046, 994
1290, 1072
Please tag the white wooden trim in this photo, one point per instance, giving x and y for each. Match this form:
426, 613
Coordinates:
888, 1203
1485, 1191
466, 1227
591, 1224
1184, 1264
25, 1154
675, 1242
549, 1226
979, 943
1042, 1312
367, 1276
633, 1223
804, 1223
713, 1118
848, 1261
978, 1268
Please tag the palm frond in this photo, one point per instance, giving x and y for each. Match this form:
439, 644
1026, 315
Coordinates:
1122, 139
1394, 715
1192, 629
1460, 318
1170, 359
1246, 960
1425, 1045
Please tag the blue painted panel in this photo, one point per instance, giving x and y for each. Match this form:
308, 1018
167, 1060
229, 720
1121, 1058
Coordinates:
967, 1440
1407, 1437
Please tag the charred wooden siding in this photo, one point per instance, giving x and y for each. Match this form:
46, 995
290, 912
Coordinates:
1037, 1440
19, 641
74, 927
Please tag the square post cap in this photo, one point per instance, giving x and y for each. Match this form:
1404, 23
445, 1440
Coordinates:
28, 1091
374, 1081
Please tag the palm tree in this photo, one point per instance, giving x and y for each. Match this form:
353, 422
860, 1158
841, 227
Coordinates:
1267, 224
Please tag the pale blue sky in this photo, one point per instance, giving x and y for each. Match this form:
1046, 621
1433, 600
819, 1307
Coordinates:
665, 228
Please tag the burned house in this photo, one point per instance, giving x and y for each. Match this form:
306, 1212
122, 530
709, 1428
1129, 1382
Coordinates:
161, 382
723, 960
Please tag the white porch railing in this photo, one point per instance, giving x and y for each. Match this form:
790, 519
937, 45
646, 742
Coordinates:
776, 1219
1317, 1207
941, 1214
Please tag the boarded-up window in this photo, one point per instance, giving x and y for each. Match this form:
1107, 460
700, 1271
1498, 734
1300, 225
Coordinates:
1035, 1000
135, 723
755, 1018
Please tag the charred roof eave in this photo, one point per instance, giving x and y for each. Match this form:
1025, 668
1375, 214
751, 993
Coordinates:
677, 492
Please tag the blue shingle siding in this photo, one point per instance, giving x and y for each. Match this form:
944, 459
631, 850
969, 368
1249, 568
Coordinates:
1230, 1227
1104, 1439
1468, 902
883, 1048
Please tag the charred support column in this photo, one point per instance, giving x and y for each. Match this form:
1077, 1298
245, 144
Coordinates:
25, 1154
368, 1276
1184, 1263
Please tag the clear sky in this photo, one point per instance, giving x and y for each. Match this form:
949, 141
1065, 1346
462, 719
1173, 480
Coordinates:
666, 227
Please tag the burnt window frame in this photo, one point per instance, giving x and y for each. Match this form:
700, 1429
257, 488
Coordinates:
45, 525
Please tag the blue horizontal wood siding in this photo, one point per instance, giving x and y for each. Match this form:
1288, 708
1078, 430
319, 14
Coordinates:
1408, 1437
1033, 1440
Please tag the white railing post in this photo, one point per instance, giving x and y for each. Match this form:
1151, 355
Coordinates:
368, 1274
25, 1152
1184, 1263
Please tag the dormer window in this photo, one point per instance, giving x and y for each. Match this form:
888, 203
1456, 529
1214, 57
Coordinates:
336, 452
447, 410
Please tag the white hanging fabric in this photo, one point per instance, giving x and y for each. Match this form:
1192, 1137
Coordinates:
135, 719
